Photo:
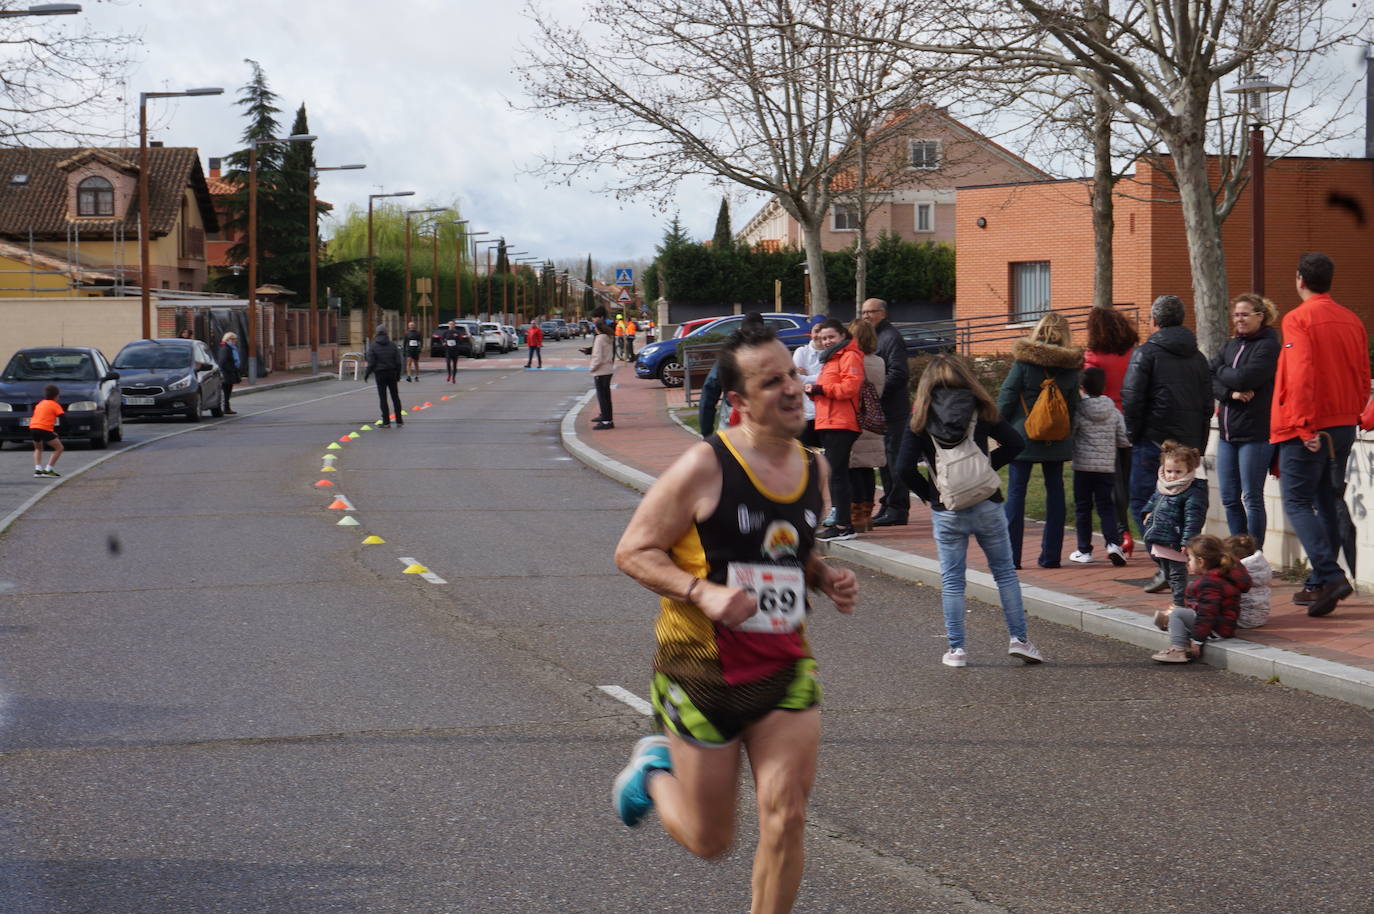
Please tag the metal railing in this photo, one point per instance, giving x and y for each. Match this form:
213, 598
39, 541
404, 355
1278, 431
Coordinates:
969, 332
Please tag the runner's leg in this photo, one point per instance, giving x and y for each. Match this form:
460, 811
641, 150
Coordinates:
696, 802
782, 753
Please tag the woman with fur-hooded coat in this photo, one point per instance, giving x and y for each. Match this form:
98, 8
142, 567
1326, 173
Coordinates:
1047, 352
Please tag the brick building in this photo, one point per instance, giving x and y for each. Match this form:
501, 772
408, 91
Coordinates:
913, 177
1026, 247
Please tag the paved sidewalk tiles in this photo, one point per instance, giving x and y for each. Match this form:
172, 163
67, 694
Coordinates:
1333, 655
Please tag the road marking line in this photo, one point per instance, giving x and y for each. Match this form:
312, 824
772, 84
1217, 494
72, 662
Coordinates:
628, 697
429, 576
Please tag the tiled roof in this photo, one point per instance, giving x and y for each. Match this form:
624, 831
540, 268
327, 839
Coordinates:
39, 205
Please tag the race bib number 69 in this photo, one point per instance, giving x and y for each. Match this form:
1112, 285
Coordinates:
780, 591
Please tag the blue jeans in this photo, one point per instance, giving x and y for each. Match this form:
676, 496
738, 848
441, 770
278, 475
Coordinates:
986, 522
1018, 478
1144, 475
1311, 504
1241, 469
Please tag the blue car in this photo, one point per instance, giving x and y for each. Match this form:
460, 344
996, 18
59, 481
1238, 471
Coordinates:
88, 393
656, 359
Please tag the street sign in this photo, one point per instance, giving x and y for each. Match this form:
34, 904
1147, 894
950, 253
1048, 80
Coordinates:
625, 297
624, 277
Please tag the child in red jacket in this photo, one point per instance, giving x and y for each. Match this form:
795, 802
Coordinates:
1212, 602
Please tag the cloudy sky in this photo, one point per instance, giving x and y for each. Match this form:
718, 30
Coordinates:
419, 90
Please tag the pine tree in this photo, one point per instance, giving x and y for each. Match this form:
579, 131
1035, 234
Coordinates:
284, 227
588, 299
723, 239
258, 102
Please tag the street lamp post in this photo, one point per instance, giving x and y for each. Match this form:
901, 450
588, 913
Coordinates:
314, 264
1254, 90
146, 278
371, 280
505, 283
43, 9
458, 243
500, 243
409, 290
472, 250
253, 243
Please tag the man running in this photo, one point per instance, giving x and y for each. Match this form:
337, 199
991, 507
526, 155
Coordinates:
725, 537
450, 340
411, 344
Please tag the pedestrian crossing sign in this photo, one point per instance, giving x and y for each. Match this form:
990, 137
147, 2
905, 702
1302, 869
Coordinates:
624, 277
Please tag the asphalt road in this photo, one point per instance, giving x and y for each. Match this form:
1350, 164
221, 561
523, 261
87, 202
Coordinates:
241, 708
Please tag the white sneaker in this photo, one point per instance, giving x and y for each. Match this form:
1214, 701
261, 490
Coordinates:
956, 656
1082, 558
1115, 555
1025, 650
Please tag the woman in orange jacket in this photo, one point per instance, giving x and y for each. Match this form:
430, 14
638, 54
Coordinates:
836, 395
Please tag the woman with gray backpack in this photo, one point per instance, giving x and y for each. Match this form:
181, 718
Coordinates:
952, 419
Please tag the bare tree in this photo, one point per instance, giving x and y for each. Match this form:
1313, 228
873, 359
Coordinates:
59, 81
732, 89
1164, 65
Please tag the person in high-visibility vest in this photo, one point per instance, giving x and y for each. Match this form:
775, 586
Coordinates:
630, 331
619, 336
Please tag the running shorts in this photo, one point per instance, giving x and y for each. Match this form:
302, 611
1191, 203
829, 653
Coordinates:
714, 714
42, 435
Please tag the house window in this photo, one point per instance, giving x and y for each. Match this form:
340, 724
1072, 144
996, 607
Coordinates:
925, 217
925, 153
1030, 290
846, 218
95, 197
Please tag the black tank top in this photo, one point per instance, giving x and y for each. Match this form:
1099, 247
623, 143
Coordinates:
750, 526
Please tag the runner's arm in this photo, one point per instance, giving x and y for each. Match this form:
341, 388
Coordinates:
687, 490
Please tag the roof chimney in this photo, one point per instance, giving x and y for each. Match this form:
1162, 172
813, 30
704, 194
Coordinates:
214, 167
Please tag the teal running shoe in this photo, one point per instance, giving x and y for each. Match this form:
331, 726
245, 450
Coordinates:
631, 799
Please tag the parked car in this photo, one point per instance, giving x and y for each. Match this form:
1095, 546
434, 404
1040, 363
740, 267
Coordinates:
923, 341
468, 335
687, 327
563, 332
551, 331
88, 393
512, 336
167, 377
656, 359
493, 336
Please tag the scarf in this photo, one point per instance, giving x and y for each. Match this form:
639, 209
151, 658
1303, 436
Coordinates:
1177, 486
827, 353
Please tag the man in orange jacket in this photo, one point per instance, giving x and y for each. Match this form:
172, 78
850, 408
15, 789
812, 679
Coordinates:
1321, 384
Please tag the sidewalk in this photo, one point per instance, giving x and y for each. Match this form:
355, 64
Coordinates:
1332, 656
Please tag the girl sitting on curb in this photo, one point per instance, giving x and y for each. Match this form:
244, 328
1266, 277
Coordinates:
1213, 601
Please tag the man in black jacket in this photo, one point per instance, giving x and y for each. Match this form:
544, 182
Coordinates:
896, 400
1167, 394
384, 364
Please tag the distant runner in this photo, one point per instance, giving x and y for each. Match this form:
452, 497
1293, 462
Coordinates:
412, 341
725, 537
450, 340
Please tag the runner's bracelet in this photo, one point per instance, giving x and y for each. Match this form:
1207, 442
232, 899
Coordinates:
687, 597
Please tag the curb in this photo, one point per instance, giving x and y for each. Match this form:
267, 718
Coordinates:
276, 385
1270, 664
